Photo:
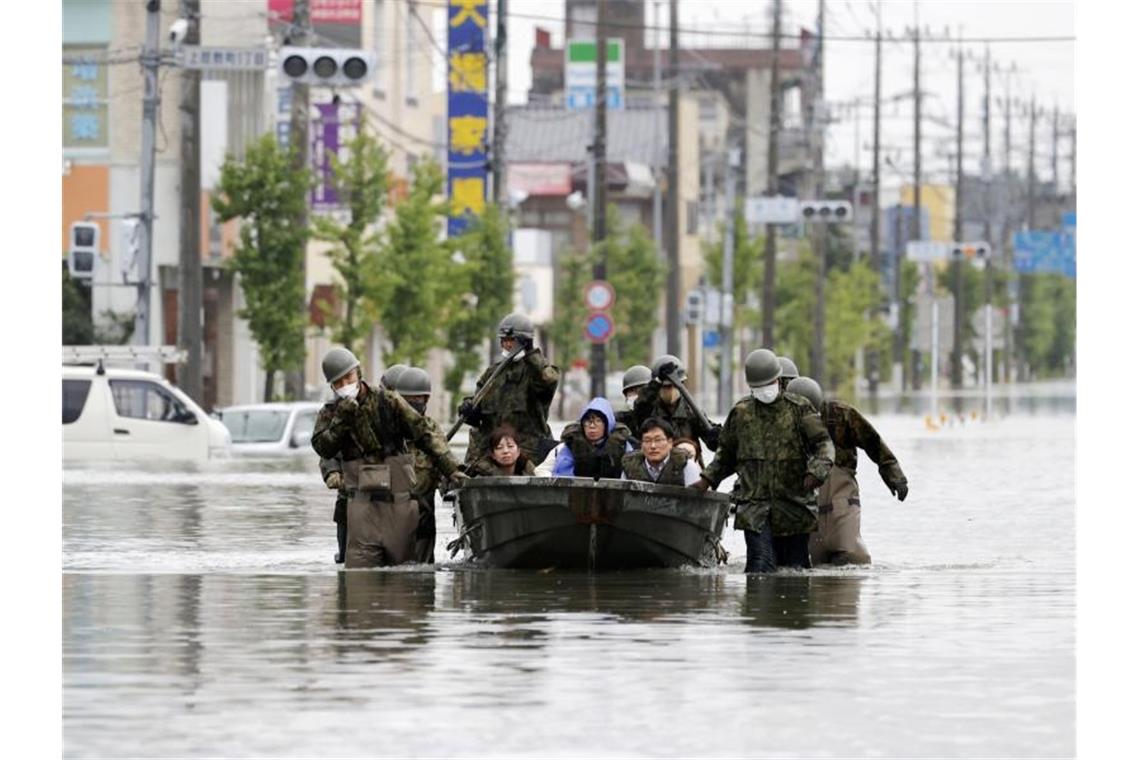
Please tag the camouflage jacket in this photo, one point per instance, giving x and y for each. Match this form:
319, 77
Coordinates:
428, 476
771, 448
850, 430
520, 397
376, 426
686, 422
672, 472
486, 467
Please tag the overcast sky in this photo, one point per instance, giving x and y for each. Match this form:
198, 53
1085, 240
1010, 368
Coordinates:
1044, 69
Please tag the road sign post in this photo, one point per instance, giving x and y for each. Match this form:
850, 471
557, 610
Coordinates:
599, 327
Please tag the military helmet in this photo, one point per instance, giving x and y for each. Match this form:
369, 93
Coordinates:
636, 375
761, 367
337, 363
661, 361
391, 376
413, 381
808, 388
787, 367
516, 326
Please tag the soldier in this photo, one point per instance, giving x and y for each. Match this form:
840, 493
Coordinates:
659, 398
505, 458
366, 429
779, 449
838, 540
632, 382
414, 385
788, 371
594, 446
658, 461
392, 375
520, 395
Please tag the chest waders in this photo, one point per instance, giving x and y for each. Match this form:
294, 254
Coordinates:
382, 513
838, 541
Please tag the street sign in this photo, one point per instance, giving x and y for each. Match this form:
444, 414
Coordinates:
222, 59
1045, 251
711, 339
599, 327
778, 210
928, 250
599, 295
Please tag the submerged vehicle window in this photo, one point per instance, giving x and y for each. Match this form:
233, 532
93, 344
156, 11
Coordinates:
145, 401
255, 426
74, 397
304, 423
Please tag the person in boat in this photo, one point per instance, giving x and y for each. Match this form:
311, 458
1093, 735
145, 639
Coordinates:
659, 461
414, 384
593, 446
788, 371
691, 449
660, 398
504, 458
367, 429
520, 396
838, 540
778, 447
634, 379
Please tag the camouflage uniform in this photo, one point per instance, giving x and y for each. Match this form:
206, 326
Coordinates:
428, 476
686, 422
672, 472
340, 510
772, 448
373, 430
838, 539
487, 467
520, 397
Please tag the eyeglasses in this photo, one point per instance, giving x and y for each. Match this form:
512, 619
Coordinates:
593, 421
657, 440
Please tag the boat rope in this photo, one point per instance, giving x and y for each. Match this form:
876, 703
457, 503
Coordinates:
461, 540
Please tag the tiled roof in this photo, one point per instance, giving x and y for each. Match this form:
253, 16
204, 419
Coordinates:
558, 135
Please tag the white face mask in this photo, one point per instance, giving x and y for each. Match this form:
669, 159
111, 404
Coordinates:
630, 400
347, 391
766, 394
507, 353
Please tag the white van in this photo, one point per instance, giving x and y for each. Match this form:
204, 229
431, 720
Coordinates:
112, 413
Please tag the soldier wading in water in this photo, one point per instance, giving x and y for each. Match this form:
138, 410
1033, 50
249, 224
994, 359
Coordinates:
366, 428
779, 449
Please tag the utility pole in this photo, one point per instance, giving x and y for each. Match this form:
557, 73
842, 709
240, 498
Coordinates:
673, 281
299, 35
657, 235
1032, 213
727, 282
987, 175
1073, 162
876, 261
959, 296
1056, 140
1007, 173
150, 60
774, 119
498, 168
598, 350
189, 249
916, 217
820, 231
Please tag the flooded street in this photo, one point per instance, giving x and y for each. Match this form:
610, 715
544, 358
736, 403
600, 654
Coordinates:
203, 616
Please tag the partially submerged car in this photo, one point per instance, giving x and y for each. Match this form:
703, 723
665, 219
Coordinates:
271, 429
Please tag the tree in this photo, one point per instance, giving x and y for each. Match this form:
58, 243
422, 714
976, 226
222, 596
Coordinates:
747, 277
268, 195
78, 329
487, 274
573, 272
413, 286
361, 183
637, 275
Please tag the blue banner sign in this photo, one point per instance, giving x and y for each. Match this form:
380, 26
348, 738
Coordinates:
467, 134
1045, 251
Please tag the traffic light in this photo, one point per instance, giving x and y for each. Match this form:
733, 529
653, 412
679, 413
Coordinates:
335, 67
979, 251
694, 305
828, 212
83, 250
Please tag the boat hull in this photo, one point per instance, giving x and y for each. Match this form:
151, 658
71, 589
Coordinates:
579, 523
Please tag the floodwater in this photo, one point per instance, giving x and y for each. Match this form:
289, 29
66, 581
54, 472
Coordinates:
202, 616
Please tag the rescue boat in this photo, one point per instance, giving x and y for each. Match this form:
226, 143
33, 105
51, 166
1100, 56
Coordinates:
585, 524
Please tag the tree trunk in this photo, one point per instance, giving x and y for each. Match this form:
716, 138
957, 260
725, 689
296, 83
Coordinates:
269, 376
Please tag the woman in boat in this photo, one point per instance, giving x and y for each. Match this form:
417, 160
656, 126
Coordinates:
504, 458
594, 446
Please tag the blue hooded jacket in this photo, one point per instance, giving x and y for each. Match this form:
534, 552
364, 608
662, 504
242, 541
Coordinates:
564, 461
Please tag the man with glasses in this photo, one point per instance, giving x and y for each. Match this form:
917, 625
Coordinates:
658, 462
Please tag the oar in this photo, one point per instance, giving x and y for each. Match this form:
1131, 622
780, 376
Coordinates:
482, 392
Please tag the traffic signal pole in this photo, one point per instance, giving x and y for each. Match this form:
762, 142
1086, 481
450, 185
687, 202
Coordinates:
150, 60
300, 35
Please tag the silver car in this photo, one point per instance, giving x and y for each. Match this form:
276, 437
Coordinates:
271, 429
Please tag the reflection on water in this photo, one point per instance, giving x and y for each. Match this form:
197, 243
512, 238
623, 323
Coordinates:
203, 617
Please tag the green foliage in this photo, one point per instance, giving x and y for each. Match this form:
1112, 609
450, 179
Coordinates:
637, 275
77, 327
412, 287
362, 185
1048, 324
486, 279
795, 305
747, 267
852, 295
268, 195
572, 272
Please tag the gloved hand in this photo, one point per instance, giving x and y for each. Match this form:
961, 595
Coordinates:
666, 370
811, 482
347, 405
701, 485
468, 411
526, 343
898, 489
712, 437
334, 481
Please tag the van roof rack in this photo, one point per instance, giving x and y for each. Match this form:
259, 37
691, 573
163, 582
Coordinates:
123, 354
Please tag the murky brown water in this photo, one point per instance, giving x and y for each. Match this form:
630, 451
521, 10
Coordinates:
202, 615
